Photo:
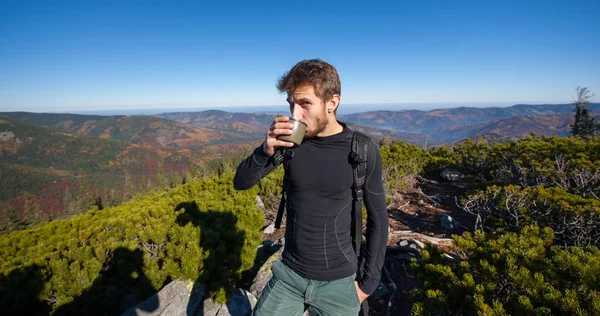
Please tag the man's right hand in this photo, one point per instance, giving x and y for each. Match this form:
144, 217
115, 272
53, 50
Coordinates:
281, 126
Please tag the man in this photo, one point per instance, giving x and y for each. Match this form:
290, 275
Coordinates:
319, 264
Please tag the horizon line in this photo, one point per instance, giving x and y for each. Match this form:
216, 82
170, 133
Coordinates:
217, 107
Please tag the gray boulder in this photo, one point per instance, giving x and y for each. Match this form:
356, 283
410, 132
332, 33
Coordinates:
279, 242
259, 203
264, 274
177, 298
417, 243
270, 229
412, 243
241, 303
448, 222
451, 174
381, 290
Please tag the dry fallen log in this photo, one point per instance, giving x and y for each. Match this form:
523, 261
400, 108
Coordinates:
419, 236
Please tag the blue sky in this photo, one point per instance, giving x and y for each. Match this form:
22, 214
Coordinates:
81, 55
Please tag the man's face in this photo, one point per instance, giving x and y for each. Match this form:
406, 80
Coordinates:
306, 107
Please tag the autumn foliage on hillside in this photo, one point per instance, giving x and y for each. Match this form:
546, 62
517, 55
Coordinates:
48, 174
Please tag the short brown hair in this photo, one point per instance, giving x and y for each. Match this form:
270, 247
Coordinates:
322, 76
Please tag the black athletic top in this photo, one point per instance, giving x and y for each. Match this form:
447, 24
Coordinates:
318, 242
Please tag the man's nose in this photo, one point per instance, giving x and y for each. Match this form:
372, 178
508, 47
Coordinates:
297, 112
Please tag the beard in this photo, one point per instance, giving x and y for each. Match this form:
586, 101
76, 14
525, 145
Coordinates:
319, 126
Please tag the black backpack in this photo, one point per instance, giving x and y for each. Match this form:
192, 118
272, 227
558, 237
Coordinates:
359, 160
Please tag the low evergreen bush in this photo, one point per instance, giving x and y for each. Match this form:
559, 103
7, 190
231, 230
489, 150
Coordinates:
204, 231
509, 274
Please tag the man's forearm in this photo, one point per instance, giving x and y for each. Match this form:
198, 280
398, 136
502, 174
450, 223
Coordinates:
377, 225
252, 169
374, 256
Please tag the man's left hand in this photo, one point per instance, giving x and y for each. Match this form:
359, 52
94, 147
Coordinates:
361, 295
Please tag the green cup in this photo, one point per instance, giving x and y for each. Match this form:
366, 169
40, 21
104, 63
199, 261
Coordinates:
298, 132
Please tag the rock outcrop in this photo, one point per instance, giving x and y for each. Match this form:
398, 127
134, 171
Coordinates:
176, 298
241, 303
264, 273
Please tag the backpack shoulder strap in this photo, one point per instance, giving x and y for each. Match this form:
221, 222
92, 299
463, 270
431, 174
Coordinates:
359, 157
285, 158
359, 161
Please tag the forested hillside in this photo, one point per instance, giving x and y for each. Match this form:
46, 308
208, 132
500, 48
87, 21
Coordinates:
48, 173
143, 130
514, 127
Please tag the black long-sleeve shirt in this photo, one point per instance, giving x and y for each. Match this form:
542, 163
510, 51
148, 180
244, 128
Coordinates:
318, 241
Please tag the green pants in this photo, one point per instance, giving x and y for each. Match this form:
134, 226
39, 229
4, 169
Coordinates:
288, 293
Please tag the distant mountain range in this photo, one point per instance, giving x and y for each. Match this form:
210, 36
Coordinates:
450, 125
256, 124
514, 127
435, 126
144, 130
428, 121
215, 127
45, 151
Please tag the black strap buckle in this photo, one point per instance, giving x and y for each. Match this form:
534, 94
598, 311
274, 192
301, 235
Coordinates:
356, 160
278, 159
358, 194
289, 153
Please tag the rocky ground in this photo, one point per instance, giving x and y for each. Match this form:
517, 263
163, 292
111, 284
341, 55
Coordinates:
418, 216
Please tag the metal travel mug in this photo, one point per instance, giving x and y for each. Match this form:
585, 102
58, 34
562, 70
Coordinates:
297, 132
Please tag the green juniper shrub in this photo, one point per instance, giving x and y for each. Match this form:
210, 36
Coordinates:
575, 219
71, 254
401, 164
509, 274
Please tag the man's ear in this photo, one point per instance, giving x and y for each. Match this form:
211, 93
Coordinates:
333, 103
